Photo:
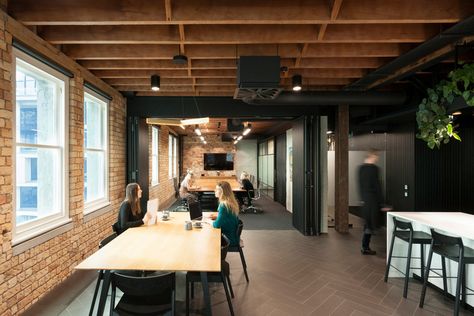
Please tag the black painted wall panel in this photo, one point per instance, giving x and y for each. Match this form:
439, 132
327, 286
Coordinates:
280, 169
399, 167
299, 175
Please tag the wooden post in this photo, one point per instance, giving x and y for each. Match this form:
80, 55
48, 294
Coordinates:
341, 172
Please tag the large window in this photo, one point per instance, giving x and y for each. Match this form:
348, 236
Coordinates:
173, 156
266, 158
40, 148
154, 155
95, 152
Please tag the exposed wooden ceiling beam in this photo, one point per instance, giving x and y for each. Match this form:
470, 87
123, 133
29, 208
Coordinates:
168, 14
238, 34
124, 12
335, 6
226, 73
182, 38
114, 51
303, 50
328, 62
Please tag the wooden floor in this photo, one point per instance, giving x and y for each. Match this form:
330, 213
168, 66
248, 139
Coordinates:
291, 274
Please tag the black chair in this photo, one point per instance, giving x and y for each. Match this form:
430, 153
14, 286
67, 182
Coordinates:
453, 249
238, 248
216, 277
404, 231
145, 295
100, 277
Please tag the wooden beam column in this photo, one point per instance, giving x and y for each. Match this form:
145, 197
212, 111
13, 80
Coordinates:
342, 170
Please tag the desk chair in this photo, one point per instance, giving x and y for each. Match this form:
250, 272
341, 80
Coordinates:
239, 249
100, 277
452, 248
253, 195
148, 295
217, 277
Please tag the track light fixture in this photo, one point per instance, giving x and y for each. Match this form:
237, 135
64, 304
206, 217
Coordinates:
296, 81
247, 129
155, 83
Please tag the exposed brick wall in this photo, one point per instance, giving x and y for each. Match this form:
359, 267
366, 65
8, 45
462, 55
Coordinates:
164, 190
194, 149
24, 278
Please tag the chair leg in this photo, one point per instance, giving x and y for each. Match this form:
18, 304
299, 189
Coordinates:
407, 272
99, 278
230, 286
192, 289
464, 303
445, 282
458, 287
112, 300
387, 269
187, 297
229, 301
244, 264
422, 261
425, 278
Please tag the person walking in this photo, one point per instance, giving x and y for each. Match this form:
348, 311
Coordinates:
370, 191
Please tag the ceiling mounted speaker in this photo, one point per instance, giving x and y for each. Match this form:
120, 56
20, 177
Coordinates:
180, 59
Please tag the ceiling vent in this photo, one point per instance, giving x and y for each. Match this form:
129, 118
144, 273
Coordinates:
258, 78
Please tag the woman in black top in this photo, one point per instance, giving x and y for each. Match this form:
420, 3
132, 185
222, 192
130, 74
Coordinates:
130, 214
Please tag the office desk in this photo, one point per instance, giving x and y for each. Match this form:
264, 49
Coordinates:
208, 184
163, 246
452, 223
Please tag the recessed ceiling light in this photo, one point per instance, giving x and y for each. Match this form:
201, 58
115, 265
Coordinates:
457, 113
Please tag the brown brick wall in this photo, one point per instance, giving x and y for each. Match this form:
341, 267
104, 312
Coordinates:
164, 191
24, 278
194, 149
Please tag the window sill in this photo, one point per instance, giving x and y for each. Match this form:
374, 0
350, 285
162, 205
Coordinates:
97, 212
22, 246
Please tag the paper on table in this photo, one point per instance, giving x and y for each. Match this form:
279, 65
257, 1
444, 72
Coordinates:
152, 211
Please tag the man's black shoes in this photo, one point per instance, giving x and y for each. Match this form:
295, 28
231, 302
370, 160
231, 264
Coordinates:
369, 252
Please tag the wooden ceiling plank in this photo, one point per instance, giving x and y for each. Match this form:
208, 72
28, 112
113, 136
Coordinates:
335, 8
239, 34
182, 39
125, 12
147, 52
303, 50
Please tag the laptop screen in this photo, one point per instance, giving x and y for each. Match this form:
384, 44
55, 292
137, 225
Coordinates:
195, 212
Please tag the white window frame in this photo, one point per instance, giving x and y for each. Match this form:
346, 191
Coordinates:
172, 156
155, 154
38, 227
95, 205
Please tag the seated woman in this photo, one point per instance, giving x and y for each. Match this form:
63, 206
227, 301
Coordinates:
227, 219
130, 214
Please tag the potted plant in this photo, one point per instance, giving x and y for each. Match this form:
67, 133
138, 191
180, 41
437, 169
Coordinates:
435, 124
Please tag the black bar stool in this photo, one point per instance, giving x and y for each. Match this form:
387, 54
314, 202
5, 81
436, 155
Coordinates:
453, 249
405, 232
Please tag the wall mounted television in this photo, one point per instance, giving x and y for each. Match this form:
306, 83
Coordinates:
221, 161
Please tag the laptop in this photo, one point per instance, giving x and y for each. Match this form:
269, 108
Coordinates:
195, 212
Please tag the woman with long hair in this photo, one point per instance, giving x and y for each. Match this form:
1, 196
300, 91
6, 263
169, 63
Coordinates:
130, 214
227, 218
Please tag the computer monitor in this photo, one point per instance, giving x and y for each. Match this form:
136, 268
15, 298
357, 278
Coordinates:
195, 212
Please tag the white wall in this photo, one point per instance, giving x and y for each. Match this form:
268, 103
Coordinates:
289, 170
246, 157
356, 158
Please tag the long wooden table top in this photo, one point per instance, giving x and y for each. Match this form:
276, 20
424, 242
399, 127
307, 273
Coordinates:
455, 223
163, 246
204, 184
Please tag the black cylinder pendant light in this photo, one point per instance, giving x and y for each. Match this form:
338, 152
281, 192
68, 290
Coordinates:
155, 83
296, 81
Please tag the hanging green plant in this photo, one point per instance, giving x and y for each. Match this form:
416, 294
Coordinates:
435, 125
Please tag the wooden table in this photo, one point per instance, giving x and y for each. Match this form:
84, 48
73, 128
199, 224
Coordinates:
207, 184
163, 246
452, 223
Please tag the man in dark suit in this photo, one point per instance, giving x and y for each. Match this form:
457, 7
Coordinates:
371, 194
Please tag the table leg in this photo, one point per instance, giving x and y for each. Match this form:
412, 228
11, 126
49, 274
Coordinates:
207, 297
103, 293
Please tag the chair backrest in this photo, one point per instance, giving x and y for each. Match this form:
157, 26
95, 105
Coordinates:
445, 240
161, 285
195, 211
240, 227
398, 224
225, 243
106, 240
